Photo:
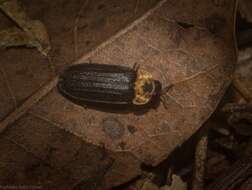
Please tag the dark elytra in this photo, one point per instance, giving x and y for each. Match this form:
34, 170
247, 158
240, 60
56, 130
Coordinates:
104, 87
98, 83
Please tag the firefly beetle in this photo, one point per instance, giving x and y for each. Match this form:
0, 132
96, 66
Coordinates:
89, 83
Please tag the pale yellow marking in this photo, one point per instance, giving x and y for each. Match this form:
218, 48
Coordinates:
142, 97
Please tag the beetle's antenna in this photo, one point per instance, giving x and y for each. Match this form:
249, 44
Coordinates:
163, 93
166, 89
136, 66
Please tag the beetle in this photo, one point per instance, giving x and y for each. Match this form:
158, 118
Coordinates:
92, 83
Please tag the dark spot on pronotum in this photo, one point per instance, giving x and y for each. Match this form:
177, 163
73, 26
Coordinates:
148, 88
113, 127
132, 129
185, 25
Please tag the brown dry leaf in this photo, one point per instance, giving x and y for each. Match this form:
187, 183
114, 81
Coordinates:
62, 160
187, 43
34, 35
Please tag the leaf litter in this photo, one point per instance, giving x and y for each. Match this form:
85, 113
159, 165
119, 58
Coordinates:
28, 32
174, 54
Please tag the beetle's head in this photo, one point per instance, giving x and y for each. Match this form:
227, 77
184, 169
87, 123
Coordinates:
145, 88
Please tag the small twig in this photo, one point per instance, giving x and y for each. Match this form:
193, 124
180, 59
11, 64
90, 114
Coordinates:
76, 25
169, 177
234, 107
200, 160
239, 172
238, 112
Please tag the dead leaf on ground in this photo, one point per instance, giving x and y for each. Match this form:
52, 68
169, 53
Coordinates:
187, 43
33, 33
24, 71
189, 46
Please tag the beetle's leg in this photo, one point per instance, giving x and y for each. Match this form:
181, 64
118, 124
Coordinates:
163, 101
163, 97
136, 66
